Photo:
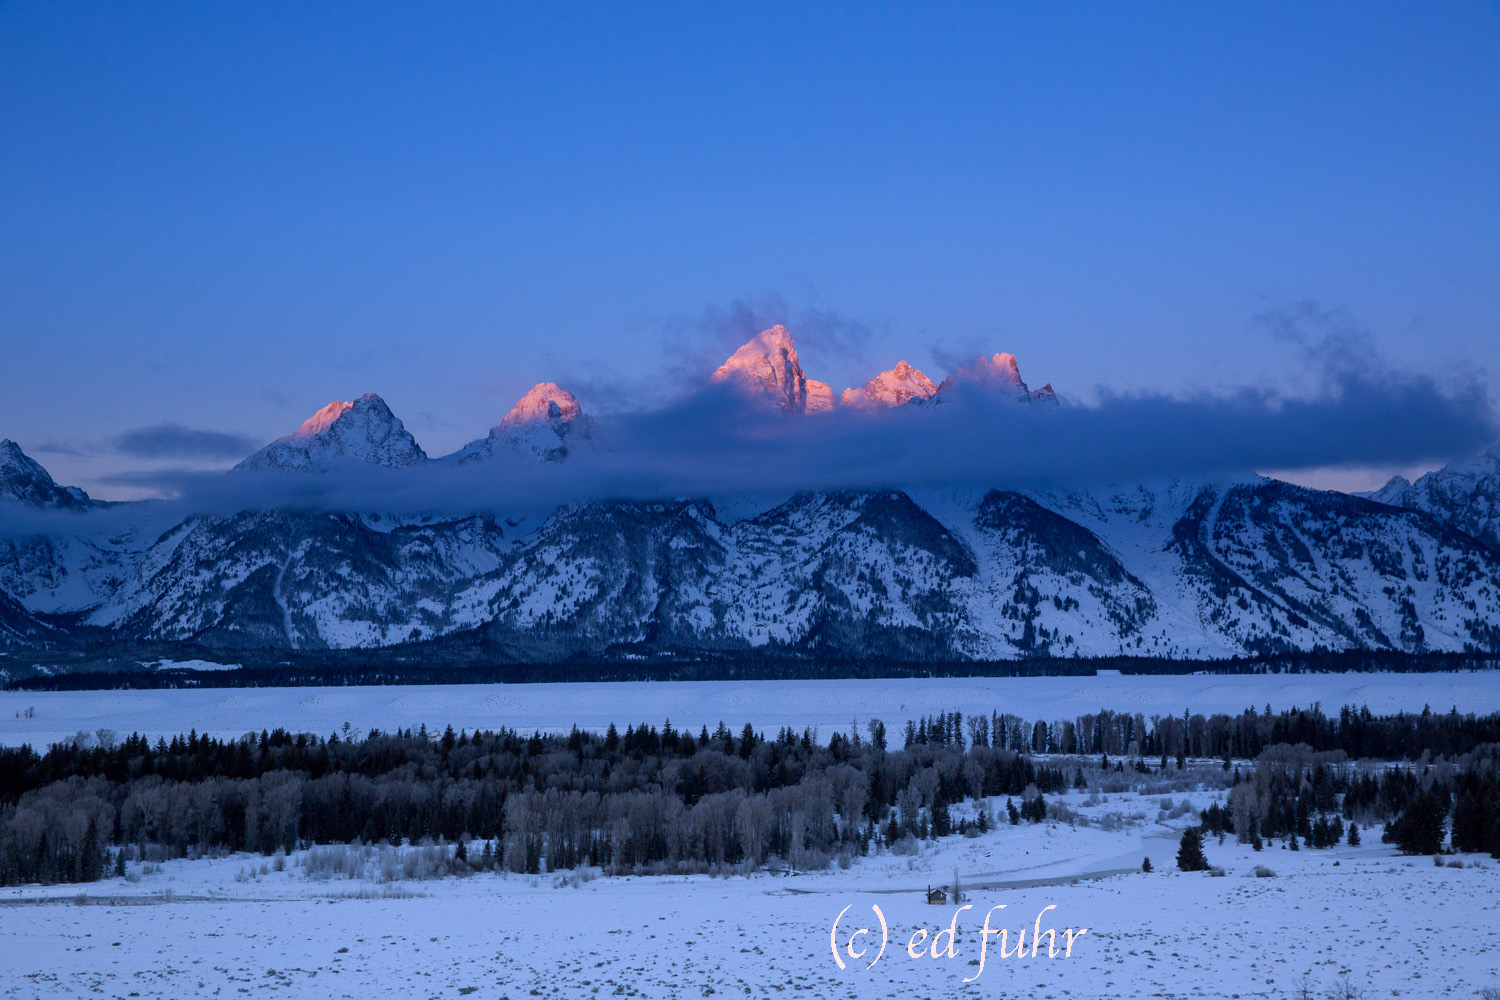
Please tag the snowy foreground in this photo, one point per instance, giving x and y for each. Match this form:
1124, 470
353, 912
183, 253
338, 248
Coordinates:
769, 705
1394, 926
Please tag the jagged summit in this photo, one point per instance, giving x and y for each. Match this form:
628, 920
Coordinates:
23, 480
896, 387
545, 401
544, 425
342, 433
1465, 493
766, 367
997, 374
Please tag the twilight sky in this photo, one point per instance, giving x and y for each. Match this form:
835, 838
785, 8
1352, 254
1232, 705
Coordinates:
222, 216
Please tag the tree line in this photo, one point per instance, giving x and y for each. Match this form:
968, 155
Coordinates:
647, 799
663, 799
1356, 732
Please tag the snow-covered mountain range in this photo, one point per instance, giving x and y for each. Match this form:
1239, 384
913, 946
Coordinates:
1465, 494
1187, 567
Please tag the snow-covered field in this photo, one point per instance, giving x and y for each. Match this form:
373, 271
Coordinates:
1396, 927
827, 705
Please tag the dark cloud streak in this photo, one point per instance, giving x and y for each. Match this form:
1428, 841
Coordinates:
173, 441
717, 444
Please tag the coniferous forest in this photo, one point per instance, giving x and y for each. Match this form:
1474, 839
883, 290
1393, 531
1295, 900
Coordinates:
663, 800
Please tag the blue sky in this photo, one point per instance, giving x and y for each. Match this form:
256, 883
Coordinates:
224, 215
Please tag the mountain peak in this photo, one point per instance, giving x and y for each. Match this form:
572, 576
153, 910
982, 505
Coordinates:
1465, 493
23, 479
766, 367
1000, 373
544, 425
545, 401
341, 433
896, 387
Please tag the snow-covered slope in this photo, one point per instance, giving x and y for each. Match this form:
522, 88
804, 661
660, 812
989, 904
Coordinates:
282, 579
20, 628
1466, 494
55, 571
543, 426
896, 387
364, 431
766, 368
24, 481
1000, 374
1193, 567
1198, 568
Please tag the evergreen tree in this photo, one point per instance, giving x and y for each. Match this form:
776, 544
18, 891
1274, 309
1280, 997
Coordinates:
1190, 851
1353, 834
942, 820
1015, 815
1146, 865
1419, 829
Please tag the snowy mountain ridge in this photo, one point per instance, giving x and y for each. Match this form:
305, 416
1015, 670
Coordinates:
542, 426
363, 431
1465, 493
1200, 567
766, 367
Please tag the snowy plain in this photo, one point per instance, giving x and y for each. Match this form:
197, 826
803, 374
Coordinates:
235, 926
826, 705
1388, 925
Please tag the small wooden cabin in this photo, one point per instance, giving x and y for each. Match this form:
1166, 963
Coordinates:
937, 897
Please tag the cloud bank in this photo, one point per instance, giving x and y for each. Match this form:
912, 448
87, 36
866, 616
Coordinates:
1354, 410
716, 443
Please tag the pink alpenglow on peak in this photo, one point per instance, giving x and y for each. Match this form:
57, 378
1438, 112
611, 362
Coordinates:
819, 396
999, 373
545, 401
896, 387
364, 431
543, 426
767, 368
322, 420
